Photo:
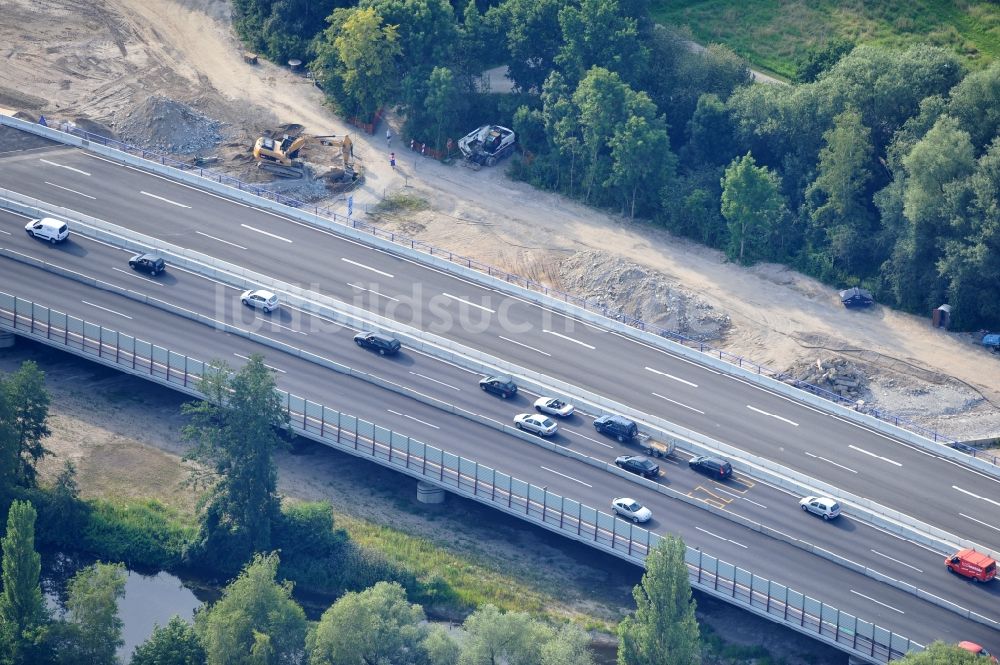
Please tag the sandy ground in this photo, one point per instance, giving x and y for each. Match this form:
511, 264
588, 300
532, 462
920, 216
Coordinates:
100, 59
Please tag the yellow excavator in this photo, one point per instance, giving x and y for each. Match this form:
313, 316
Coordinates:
280, 157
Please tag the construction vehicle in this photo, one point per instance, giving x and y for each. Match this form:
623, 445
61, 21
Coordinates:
487, 145
282, 157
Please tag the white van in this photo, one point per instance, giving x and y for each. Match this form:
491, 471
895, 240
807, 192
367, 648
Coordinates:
47, 228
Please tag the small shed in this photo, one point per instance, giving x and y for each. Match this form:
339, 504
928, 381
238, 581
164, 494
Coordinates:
941, 317
856, 297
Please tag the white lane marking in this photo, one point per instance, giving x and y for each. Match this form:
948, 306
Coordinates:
272, 214
172, 182
568, 339
663, 351
716, 488
63, 166
208, 279
472, 304
300, 332
316, 316
6, 233
514, 341
446, 362
133, 274
671, 376
760, 505
772, 415
567, 477
879, 434
584, 436
106, 244
372, 291
52, 184
165, 200
846, 468
677, 403
902, 563
879, 602
266, 233
867, 452
220, 240
715, 535
975, 496
995, 528
265, 364
106, 309
907, 540
446, 385
422, 422
362, 265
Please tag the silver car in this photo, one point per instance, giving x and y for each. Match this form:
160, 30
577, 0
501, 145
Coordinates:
532, 422
823, 506
260, 299
631, 509
554, 406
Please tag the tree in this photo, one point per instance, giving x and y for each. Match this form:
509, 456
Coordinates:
10, 462
256, 622
356, 57
22, 610
569, 645
641, 161
94, 627
939, 653
975, 102
377, 625
663, 630
441, 649
533, 39
235, 431
29, 402
173, 644
598, 33
442, 102
818, 59
753, 208
602, 100
492, 637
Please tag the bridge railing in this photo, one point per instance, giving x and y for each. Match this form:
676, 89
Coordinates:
470, 479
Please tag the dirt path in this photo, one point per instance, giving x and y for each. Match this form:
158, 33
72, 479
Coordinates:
100, 60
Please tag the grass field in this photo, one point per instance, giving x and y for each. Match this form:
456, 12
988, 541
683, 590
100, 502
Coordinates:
773, 34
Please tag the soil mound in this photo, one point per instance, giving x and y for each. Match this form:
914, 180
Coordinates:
166, 125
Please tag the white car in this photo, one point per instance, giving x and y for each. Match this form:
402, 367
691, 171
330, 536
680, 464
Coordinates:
631, 509
554, 406
260, 299
823, 506
535, 423
47, 228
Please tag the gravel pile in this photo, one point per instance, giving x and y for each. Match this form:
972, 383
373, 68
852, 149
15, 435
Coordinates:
642, 293
168, 126
838, 375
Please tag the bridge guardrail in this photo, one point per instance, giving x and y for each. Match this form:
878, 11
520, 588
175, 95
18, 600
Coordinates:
468, 478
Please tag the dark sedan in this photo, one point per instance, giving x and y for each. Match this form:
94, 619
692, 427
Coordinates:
499, 385
385, 345
638, 464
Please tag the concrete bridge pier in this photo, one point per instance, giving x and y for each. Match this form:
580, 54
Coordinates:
428, 493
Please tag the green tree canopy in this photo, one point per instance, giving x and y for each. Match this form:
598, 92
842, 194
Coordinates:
492, 636
23, 615
663, 630
377, 625
29, 402
533, 38
753, 207
598, 33
256, 622
939, 653
94, 630
235, 431
173, 644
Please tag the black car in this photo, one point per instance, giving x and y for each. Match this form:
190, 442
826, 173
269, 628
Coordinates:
715, 467
619, 427
499, 385
150, 263
386, 345
638, 464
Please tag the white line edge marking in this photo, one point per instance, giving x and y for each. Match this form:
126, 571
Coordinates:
70, 190
372, 291
671, 376
447, 385
63, 166
314, 315
902, 563
265, 364
362, 265
877, 601
867, 452
568, 338
266, 233
995, 528
201, 233
133, 274
828, 461
300, 332
715, 535
584, 436
442, 360
471, 304
165, 200
772, 415
85, 302
976, 496
422, 422
567, 477
6, 233
514, 341
677, 403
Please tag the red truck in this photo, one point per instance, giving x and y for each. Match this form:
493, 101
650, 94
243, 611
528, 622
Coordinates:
970, 563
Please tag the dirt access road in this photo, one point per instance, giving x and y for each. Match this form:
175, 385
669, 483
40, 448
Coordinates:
102, 59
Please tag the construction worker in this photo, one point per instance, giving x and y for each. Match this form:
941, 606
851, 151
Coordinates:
392, 160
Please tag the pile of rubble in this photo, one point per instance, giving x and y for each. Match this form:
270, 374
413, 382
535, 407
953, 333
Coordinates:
837, 375
168, 126
641, 293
